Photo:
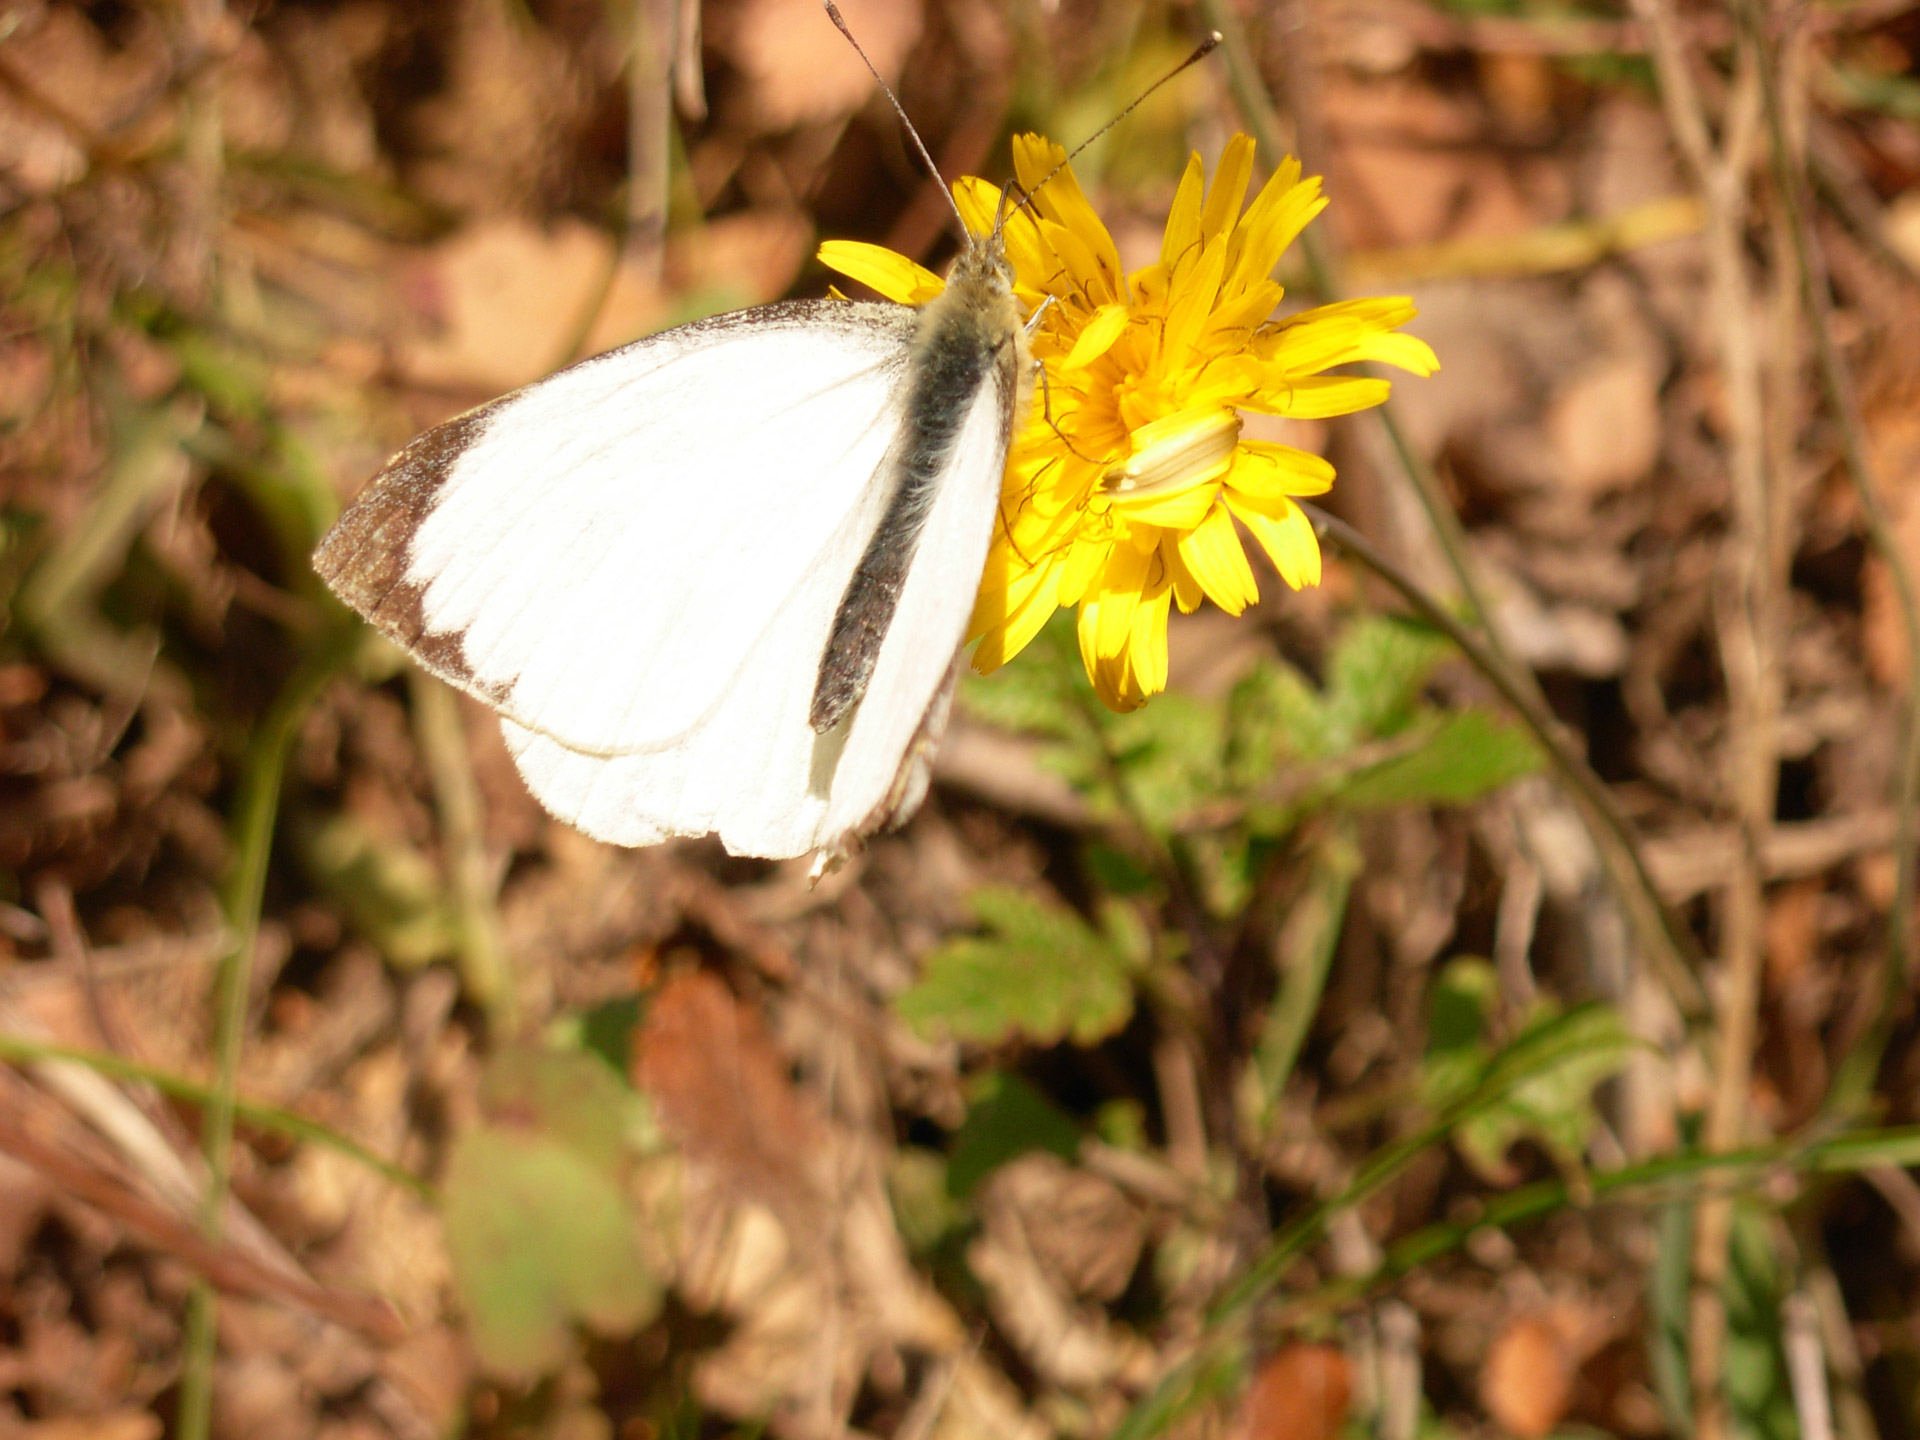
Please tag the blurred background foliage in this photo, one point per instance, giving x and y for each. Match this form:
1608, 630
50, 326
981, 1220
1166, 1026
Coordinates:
1473, 1000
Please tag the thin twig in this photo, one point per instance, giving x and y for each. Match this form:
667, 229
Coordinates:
1806, 1367
649, 132
1747, 612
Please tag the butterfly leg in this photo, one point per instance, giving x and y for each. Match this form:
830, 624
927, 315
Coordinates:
1046, 410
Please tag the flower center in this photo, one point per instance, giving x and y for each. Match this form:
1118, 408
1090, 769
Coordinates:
1174, 452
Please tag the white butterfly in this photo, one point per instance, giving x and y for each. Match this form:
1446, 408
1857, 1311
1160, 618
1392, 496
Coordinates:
716, 580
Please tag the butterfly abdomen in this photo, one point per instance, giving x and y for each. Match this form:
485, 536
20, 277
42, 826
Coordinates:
970, 340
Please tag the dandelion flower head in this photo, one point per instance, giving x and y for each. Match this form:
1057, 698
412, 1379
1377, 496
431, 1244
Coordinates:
1127, 488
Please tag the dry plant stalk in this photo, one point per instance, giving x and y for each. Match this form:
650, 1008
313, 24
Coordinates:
1748, 608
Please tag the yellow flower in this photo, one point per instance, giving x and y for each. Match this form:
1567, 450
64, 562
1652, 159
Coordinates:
1126, 490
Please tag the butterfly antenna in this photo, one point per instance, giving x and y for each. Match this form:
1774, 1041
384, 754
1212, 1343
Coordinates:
840, 24
1205, 48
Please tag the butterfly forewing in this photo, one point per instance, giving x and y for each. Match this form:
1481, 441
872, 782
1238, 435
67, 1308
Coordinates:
596, 554
639, 561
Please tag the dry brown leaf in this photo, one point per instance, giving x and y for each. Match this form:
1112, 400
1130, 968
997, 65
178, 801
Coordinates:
1074, 1346
722, 1091
1300, 1392
1793, 931
799, 69
504, 302
1604, 425
1527, 1381
1082, 1229
1893, 438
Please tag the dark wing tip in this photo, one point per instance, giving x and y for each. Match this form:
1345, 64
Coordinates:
364, 557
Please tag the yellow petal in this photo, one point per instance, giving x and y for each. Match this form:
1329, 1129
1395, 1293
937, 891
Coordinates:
1175, 452
1061, 200
1187, 590
1211, 550
1264, 470
1274, 220
978, 202
1234, 321
1229, 189
1183, 220
1081, 568
1116, 597
1316, 397
1108, 324
1339, 334
1180, 510
1112, 683
1146, 672
1194, 292
1406, 352
891, 274
1015, 632
1288, 540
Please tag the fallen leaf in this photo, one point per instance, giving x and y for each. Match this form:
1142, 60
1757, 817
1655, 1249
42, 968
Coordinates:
1893, 440
721, 1089
1604, 425
1300, 1392
799, 69
1527, 1381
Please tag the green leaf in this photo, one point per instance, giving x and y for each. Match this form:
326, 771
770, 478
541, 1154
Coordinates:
1758, 1391
1167, 754
1469, 753
1375, 675
1669, 1289
1008, 1118
1464, 995
541, 1238
1041, 972
567, 1095
391, 892
1564, 1056
924, 1205
1273, 715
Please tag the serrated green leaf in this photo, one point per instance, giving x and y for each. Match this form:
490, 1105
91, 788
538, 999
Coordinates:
1375, 675
1469, 753
540, 1238
1041, 972
1167, 755
1561, 1057
1273, 715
